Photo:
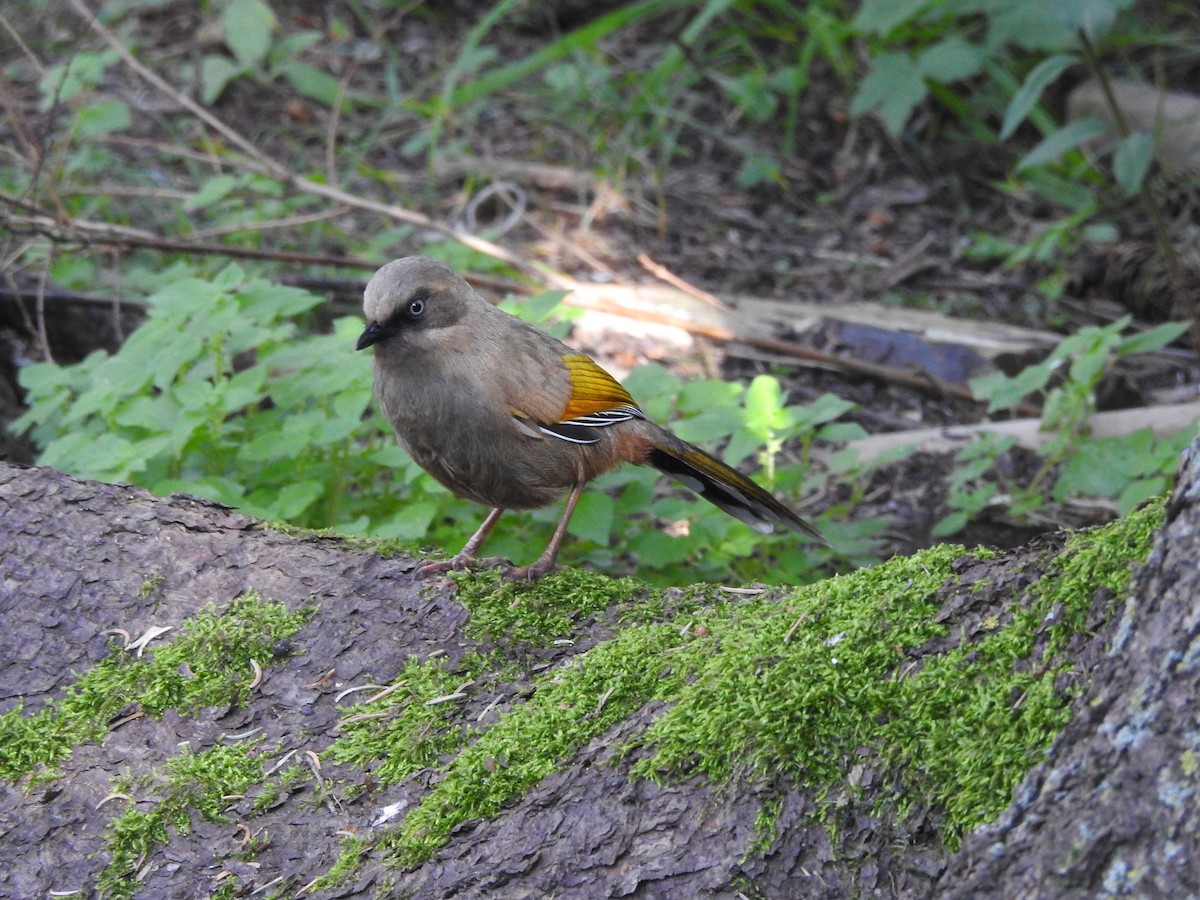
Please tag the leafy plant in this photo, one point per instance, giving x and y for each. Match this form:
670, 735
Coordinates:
1131, 468
248, 30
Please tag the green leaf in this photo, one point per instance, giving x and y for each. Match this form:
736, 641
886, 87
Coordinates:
1028, 25
311, 82
593, 519
710, 426
1137, 492
1059, 142
212, 191
951, 524
894, 86
215, 74
657, 548
1002, 392
1093, 17
107, 457
1041, 76
749, 94
293, 499
248, 26
1104, 467
741, 445
764, 406
409, 524
841, 432
289, 46
102, 117
539, 307
825, 408
879, 17
1132, 161
950, 60
706, 394
759, 169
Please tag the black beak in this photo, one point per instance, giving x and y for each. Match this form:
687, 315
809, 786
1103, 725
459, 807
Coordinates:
372, 335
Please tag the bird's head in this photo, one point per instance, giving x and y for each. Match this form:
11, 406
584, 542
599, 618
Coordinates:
412, 297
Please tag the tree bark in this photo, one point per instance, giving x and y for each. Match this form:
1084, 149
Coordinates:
1110, 810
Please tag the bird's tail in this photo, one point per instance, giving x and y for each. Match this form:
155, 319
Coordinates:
724, 487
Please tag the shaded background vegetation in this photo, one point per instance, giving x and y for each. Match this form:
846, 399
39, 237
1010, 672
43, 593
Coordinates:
192, 194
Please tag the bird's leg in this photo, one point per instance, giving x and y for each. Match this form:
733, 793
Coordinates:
545, 562
466, 556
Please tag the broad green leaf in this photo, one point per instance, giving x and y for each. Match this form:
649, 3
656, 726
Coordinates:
1059, 142
293, 499
1132, 161
102, 117
248, 28
107, 457
951, 524
211, 191
706, 394
311, 82
1139, 491
951, 59
879, 17
1028, 25
409, 524
711, 426
215, 74
894, 86
657, 549
593, 519
81, 73
758, 169
765, 405
841, 432
1038, 79
1154, 339
1093, 17
289, 46
1002, 392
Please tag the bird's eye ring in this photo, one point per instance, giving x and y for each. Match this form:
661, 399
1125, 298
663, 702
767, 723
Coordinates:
416, 307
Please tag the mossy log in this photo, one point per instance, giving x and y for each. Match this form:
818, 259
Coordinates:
314, 720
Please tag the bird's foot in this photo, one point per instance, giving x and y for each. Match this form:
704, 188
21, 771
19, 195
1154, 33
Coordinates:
543, 566
458, 563
531, 572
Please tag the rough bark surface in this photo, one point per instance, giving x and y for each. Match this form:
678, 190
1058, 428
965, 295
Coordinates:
1111, 809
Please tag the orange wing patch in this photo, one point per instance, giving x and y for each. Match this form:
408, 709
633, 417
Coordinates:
592, 389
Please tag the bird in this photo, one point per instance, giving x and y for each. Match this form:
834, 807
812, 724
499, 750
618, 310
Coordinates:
503, 414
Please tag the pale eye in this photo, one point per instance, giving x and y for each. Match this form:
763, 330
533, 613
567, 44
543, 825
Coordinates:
416, 307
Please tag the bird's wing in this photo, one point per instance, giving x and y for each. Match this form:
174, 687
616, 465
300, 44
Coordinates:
571, 401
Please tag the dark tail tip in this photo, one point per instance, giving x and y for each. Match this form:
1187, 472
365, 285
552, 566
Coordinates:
728, 489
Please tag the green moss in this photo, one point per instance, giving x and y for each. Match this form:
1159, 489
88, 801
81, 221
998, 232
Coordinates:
982, 715
406, 729
194, 783
539, 612
207, 664
800, 684
794, 685
348, 861
649, 661
571, 706
803, 684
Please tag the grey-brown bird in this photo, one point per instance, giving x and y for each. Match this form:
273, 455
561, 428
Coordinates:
505, 415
